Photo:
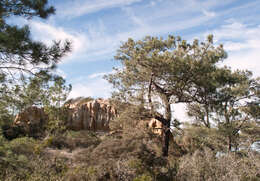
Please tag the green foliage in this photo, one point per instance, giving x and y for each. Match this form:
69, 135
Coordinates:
156, 73
27, 8
15, 157
43, 90
25, 64
131, 157
163, 72
143, 178
49, 92
168, 65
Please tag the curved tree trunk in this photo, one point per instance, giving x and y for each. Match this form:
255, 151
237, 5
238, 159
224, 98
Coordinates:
166, 120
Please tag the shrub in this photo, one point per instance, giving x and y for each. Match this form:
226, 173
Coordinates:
143, 177
206, 165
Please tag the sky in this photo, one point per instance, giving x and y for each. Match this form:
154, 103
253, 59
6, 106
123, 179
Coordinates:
97, 28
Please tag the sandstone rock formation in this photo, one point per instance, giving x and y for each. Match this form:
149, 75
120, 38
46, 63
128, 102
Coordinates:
93, 115
32, 117
29, 122
77, 102
153, 124
156, 126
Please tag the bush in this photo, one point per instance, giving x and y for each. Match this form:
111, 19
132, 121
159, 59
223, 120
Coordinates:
143, 178
206, 165
72, 140
15, 158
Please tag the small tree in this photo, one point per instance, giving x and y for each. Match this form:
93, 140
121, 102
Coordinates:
168, 70
228, 105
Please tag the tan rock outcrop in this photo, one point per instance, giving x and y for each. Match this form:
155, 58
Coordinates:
31, 116
156, 126
153, 124
94, 115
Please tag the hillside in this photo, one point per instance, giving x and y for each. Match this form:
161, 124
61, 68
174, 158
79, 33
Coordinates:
131, 151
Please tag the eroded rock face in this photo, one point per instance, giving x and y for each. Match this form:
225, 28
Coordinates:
31, 115
153, 124
93, 115
29, 122
156, 126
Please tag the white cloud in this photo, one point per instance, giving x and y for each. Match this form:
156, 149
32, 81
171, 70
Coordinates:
47, 33
105, 44
97, 42
92, 85
179, 112
245, 60
61, 73
99, 74
93, 88
152, 3
85, 45
135, 19
208, 13
235, 46
80, 8
242, 42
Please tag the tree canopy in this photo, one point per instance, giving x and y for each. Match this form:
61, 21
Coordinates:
26, 65
19, 53
173, 71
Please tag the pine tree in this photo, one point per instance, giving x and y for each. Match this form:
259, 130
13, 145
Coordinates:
22, 58
170, 70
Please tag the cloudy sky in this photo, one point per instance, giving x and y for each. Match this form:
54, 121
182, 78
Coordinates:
98, 27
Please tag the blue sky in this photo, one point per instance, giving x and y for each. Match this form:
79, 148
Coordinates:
97, 28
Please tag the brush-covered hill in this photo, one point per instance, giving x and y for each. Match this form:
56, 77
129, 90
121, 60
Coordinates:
129, 150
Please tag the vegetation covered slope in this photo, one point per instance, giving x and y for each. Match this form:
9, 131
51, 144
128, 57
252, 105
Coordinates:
128, 154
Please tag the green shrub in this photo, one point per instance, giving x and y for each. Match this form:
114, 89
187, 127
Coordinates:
143, 178
23, 145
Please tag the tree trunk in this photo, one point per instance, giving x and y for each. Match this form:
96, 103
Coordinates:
166, 139
166, 127
207, 116
166, 120
229, 144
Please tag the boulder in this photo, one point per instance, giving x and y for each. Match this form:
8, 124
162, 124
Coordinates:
156, 126
153, 124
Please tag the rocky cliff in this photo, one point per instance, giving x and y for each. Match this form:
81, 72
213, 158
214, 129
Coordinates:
31, 116
93, 115
29, 122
